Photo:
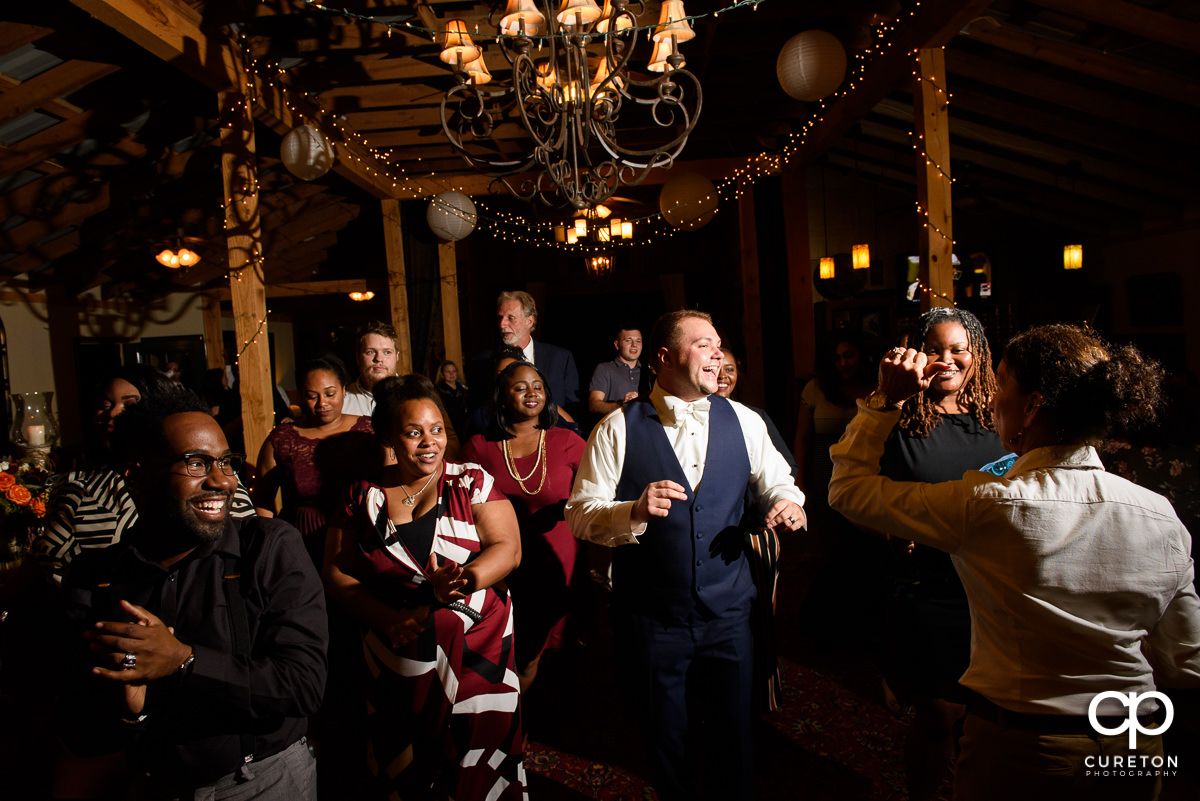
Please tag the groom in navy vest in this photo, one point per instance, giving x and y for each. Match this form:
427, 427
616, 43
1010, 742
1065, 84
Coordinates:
663, 482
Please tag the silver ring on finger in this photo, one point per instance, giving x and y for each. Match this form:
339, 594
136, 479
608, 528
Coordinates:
898, 351
129, 662
792, 520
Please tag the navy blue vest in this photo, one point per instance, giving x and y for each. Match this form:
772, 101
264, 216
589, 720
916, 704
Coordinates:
694, 555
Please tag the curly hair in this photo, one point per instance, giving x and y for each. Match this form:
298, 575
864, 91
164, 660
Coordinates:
497, 413
1090, 388
138, 431
393, 392
920, 414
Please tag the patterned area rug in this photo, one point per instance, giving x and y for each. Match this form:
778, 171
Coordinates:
830, 742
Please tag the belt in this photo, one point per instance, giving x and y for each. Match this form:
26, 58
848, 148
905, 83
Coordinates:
984, 709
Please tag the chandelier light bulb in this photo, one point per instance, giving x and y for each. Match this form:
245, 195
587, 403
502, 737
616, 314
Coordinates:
582, 12
458, 47
522, 13
674, 21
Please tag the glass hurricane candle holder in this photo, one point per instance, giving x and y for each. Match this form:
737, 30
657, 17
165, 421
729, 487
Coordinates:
34, 424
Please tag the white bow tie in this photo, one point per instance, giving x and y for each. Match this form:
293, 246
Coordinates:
680, 411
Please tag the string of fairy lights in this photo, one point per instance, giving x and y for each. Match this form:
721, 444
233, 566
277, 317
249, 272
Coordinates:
540, 40
412, 182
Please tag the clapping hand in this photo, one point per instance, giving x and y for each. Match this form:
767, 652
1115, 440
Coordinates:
405, 625
447, 580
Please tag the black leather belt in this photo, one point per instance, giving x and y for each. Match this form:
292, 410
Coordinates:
984, 709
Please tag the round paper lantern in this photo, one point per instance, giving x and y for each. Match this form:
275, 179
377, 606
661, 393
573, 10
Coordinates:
306, 153
451, 215
688, 201
811, 65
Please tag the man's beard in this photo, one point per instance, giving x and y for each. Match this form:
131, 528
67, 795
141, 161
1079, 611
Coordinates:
186, 527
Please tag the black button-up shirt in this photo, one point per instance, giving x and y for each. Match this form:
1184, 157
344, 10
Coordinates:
192, 731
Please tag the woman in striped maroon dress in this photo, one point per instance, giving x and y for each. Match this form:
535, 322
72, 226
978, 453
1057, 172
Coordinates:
420, 558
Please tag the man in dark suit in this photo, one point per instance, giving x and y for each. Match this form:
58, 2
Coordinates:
517, 316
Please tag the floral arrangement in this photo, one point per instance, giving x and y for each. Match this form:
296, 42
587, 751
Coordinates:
24, 486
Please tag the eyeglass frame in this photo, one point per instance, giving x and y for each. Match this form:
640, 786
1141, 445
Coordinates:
227, 468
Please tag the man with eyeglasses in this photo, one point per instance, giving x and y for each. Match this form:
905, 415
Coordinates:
206, 636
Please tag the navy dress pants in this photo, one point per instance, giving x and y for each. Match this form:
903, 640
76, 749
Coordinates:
695, 674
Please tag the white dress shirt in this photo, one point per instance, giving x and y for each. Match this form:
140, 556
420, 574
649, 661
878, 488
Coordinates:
358, 400
593, 515
528, 351
1079, 581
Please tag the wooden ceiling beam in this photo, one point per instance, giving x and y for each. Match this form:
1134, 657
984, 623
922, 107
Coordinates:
15, 35
42, 254
1103, 66
1154, 117
1131, 18
1061, 180
307, 288
978, 102
933, 24
1165, 187
24, 235
38, 150
50, 85
171, 30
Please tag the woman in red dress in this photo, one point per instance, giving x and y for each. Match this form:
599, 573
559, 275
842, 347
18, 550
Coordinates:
419, 558
534, 463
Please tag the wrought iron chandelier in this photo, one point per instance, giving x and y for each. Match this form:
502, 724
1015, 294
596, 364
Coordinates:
569, 97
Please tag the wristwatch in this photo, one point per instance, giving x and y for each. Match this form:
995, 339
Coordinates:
878, 400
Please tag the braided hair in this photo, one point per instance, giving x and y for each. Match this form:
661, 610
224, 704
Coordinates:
920, 415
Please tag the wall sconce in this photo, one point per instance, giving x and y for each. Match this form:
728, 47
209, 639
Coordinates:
827, 270
361, 296
861, 254
1073, 257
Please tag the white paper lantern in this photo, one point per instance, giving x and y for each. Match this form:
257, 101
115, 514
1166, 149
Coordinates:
811, 65
451, 215
306, 153
688, 201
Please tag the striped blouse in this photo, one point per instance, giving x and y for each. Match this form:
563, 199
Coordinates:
93, 509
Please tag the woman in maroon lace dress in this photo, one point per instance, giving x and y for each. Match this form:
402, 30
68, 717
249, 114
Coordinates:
290, 461
534, 463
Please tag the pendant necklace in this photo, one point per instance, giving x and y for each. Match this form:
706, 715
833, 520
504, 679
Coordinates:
410, 500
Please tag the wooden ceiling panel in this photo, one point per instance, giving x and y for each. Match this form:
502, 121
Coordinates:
1079, 113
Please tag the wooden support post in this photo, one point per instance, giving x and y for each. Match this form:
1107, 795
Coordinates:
799, 262
393, 239
62, 319
246, 282
214, 344
451, 332
753, 392
931, 98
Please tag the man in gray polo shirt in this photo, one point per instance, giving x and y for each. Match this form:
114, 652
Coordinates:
617, 382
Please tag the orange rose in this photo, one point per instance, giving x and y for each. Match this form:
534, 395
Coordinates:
39, 507
19, 495
6, 480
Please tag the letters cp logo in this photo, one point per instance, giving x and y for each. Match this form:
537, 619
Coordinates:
1133, 701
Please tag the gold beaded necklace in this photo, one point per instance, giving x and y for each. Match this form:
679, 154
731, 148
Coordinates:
511, 464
